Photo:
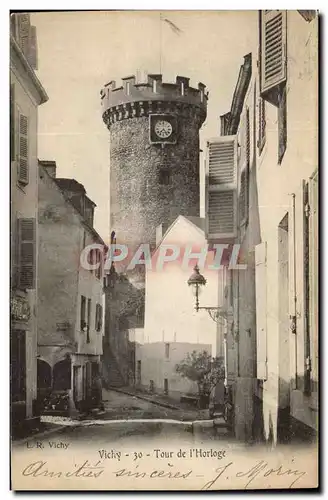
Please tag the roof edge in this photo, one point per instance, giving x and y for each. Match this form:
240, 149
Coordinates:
31, 73
83, 221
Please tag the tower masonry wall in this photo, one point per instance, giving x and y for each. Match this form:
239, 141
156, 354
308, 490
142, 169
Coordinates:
152, 183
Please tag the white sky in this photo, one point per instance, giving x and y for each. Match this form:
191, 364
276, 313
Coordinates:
81, 51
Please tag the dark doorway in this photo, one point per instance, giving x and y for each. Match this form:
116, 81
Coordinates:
76, 378
18, 365
43, 374
139, 372
62, 375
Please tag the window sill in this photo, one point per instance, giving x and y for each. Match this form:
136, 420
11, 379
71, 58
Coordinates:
20, 292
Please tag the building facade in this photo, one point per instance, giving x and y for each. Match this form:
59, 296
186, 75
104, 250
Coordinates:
272, 331
154, 177
70, 301
170, 313
124, 305
26, 94
156, 363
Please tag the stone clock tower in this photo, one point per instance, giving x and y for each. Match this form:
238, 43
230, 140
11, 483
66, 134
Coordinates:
154, 154
154, 178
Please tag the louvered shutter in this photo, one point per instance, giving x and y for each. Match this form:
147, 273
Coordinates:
12, 123
261, 124
261, 309
242, 196
221, 188
15, 242
273, 48
23, 149
27, 248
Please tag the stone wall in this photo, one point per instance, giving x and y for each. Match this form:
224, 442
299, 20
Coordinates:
139, 202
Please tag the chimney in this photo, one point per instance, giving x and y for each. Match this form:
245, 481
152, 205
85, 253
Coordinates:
224, 119
159, 234
50, 166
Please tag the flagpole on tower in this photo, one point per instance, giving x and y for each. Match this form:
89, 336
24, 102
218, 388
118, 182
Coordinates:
173, 27
160, 43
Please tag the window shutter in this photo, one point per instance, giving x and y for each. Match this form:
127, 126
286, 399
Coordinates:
282, 123
273, 49
99, 260
82, 313
23, 172
261, 125
98, 317
242, 196
15, 253
12, 122
221, 188
27, 250
261, 309
88, 320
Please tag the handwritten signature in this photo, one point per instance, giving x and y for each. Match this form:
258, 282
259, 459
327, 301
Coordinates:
261, 469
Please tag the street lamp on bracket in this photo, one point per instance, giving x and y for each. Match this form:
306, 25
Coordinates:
196, 282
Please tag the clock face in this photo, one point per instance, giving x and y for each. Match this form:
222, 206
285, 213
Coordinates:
163, 129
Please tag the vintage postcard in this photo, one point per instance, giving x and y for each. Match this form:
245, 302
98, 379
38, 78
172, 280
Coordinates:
164, 250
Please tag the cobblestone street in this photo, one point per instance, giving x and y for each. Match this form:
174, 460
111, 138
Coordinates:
124, 406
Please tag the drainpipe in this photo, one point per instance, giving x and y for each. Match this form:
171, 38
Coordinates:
293, 323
